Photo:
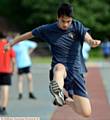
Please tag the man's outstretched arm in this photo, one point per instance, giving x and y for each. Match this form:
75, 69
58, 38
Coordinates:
92, 42
22, 37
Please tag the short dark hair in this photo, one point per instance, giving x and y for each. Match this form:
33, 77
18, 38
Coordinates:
2, 35
65, 9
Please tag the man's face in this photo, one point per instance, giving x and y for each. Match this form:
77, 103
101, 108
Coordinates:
64, 22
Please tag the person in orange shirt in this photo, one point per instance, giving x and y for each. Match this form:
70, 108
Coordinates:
7, 65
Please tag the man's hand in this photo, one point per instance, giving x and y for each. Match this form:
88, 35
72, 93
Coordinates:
95, 43
92, 42
7, 47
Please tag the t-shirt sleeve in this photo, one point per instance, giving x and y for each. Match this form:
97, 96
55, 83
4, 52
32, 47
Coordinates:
40, 32
81, 29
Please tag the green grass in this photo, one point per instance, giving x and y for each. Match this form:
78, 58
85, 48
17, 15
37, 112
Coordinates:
42, 60
95, 54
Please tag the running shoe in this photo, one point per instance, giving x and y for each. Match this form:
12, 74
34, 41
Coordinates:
57, 93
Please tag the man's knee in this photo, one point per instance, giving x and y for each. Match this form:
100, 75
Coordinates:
83, 106
86, 113
59, 67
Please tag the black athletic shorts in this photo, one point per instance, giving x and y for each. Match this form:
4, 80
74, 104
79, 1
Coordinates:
5, 79
24, 70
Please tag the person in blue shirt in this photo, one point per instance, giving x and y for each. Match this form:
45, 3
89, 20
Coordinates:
106, 49
85, 51
65, 37
23, 62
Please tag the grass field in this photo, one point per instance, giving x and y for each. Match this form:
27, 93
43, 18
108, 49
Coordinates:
41, 59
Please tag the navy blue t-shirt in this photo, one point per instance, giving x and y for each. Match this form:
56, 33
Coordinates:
66, 45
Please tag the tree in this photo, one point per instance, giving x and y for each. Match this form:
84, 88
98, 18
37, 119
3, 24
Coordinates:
26, 14
94, 14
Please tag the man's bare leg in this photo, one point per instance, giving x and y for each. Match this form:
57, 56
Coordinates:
57, 84
30, 86
80, 105
59, 74
20, 86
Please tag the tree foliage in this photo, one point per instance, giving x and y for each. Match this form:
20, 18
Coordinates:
27, 14
95, 14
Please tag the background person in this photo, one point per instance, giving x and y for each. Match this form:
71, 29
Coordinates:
23, 61
7, 67
85, 51
106, 49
